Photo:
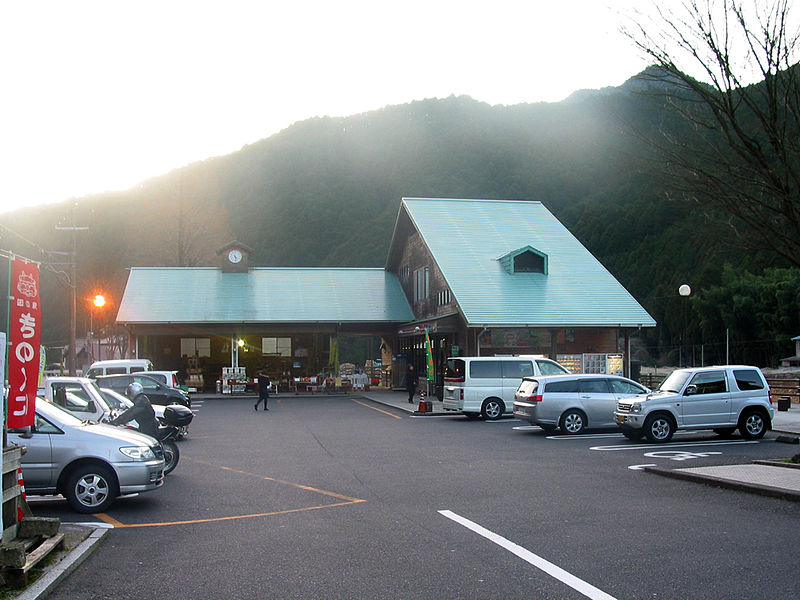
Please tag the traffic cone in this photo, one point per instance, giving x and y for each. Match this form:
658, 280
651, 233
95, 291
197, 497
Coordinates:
422, 405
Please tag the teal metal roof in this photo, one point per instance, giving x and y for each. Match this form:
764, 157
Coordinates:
263, 295
468, 239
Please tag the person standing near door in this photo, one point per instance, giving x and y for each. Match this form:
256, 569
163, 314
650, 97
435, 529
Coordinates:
412, 381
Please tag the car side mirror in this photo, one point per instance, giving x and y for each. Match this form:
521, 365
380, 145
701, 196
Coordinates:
23, 432
691, 390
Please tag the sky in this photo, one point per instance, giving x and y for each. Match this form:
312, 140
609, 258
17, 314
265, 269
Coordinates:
101, 95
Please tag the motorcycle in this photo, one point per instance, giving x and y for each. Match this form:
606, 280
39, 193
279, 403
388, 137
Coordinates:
176, 416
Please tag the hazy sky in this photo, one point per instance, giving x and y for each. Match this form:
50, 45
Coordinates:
100, 95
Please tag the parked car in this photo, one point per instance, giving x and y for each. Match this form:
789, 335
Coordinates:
573, 403
720, 398
158, 393
90, 464
79, 395
485, 385
118, 367
168, 378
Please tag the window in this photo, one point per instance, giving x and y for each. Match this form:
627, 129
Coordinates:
485, 369
116, 370
748, 379
625, 387
196, 347
710, 383
444, 298
561, 387
276, 346
548, 367
517, 369
421, 281
594, 386
529, 262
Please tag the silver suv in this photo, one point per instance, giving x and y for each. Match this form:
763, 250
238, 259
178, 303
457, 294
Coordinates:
720, 398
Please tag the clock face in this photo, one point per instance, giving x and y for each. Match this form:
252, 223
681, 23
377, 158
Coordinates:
234, 256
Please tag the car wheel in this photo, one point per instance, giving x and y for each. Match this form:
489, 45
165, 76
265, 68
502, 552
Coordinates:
573, 422
633, 435
91, 488
492, 409
752, 425
171, 456
659, 428
724, 431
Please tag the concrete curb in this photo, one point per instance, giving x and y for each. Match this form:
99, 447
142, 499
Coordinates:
763, 490
52, 577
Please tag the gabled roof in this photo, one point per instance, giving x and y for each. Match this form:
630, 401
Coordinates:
263, 295
466, 237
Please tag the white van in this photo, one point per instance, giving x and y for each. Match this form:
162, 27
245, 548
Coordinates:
123, 366
485, 385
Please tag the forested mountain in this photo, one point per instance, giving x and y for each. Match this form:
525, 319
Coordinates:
326, 191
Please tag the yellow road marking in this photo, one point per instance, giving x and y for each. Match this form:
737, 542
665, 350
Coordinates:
347, 500
118, 525
380, 410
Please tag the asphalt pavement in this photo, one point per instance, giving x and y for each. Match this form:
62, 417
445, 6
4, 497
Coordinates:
770, 478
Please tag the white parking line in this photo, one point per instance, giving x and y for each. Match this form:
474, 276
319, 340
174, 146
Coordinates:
554, 571
652, 446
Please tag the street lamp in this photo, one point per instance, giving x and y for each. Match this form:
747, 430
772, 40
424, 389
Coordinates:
98, 301
685, 291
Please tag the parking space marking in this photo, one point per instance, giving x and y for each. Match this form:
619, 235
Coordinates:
678, 445
345, 501
380, 410
554, 571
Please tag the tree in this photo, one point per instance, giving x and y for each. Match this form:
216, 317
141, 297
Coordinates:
727, 68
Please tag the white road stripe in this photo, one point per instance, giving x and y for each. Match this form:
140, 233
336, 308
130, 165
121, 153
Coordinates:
575, 583
657, 446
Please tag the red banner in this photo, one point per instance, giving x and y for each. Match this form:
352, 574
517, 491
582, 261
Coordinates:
24, 336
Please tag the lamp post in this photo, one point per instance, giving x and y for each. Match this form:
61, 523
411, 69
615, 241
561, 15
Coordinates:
98, 301
684, 291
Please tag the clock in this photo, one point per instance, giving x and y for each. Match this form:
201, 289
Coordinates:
235, 256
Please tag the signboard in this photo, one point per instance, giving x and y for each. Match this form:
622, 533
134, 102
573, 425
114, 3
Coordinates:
25, 317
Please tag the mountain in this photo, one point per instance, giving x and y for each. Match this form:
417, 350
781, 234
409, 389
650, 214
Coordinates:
326, 191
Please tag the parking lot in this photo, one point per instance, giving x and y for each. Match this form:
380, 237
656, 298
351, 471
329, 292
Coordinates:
341, 497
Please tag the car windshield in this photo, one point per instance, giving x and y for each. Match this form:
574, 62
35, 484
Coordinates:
60, 415
675, 382
115, 401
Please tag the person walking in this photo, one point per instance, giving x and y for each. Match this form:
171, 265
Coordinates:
412, 381
263, 389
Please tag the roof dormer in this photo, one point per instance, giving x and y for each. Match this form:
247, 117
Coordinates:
524, 260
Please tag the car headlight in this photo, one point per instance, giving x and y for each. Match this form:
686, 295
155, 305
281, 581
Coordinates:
138, 452
636, 407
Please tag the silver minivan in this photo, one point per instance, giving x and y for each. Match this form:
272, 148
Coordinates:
485, 385
573, 402
90, 464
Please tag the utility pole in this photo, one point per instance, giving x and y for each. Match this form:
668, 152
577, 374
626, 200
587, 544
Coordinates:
73, 284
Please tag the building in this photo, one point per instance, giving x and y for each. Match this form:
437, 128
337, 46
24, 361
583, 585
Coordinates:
479, 276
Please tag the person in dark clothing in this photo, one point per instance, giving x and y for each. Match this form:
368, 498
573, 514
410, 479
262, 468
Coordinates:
412, 381
263, 389
142, 411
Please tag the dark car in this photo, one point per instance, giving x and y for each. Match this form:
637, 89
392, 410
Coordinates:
158, 393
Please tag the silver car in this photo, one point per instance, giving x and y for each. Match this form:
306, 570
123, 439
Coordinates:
90, 464
573, 402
